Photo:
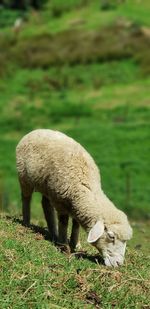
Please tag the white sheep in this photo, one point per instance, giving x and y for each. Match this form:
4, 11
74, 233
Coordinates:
68, 179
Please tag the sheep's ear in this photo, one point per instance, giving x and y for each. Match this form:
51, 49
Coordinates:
96, 232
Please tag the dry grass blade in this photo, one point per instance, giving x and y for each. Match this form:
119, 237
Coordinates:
28, 289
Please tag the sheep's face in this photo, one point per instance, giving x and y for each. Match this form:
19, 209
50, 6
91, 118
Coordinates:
106, 241
113, 251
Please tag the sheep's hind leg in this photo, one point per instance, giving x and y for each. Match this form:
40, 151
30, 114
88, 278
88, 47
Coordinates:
74, 239
26, 195
26, 202
50, 217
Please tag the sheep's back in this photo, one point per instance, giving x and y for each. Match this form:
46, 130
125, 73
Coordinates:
52, 161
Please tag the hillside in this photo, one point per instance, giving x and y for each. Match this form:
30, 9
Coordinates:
82, 67
76, 67
34, 274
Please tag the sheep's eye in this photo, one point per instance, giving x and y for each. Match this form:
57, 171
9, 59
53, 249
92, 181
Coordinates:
111, 236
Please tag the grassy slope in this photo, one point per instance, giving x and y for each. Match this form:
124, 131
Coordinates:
35, 275
105, 107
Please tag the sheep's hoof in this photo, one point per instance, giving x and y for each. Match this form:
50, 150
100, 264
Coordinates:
63, 247
75, 248
78, 246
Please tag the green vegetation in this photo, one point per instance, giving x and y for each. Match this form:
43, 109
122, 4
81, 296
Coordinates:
103, 118
34, 274
85, 71
81, 67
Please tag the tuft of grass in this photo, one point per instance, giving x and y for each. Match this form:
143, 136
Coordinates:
34, 274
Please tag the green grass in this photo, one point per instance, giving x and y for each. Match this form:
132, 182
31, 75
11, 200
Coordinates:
111, 121
82, 70
59, 16
34, 274
119, 156
90, 80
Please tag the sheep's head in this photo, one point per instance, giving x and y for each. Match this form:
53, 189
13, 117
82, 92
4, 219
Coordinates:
110, 241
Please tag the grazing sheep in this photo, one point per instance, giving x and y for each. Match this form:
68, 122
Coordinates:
67, 177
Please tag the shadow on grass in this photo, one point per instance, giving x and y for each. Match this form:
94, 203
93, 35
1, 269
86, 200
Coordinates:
34, 228
97, 259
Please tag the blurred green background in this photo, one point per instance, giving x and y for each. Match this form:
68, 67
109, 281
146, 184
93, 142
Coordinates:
82, 67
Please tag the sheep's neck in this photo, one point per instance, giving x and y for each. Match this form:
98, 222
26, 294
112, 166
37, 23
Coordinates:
88, 208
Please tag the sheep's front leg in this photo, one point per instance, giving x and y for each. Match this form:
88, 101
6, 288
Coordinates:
50, 217
62, 228
74, 240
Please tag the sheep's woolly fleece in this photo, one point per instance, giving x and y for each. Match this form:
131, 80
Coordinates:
61, 169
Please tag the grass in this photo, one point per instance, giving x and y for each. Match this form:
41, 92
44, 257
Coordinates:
59, 16
82, 70
34, 274
117, 164
116, 117
73, 47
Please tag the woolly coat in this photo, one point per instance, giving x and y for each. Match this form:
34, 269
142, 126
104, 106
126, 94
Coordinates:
62, 170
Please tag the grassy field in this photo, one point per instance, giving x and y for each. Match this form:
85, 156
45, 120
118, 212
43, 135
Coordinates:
84, 70
111, 121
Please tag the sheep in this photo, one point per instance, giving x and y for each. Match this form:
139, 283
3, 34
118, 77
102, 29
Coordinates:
66, 175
